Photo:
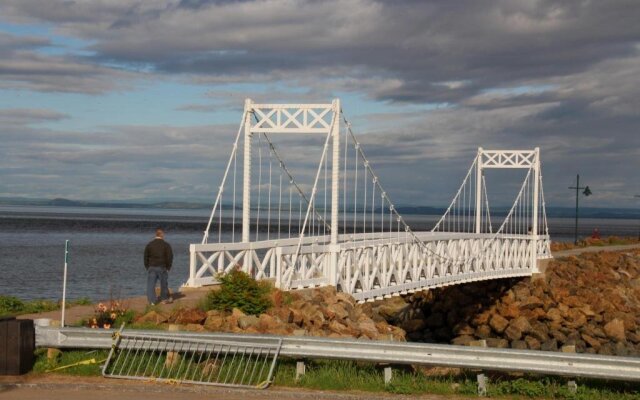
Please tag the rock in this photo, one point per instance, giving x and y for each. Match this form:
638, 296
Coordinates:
591, 341
587, 311
557, 335
463, 340
346, 298
413, 325
194, 328
633, 337
498, 343
607, 349
268, 324
573, 302
337, 310
519, 344
575, 318
236, 312
615, 330
247, 321
391, 308
498, 323
481, 319
532, 343
153, 317
509, 311
284, 314
483, 331
368, 329
215, 313
539, 331
549, 345
214, 323
531, 303
341, 329
521, 323
463, 328
513, 333
554, 315
185, 316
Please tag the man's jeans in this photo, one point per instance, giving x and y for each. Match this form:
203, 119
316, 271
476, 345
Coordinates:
155, 274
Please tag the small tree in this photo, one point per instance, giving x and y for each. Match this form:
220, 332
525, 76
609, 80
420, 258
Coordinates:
239, 290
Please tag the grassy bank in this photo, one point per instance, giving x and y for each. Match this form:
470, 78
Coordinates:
11, 305
365, 377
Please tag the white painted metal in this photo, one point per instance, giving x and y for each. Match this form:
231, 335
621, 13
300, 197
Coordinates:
534, 217
508, 158
373, 265
478, 209
335, 191
246, 185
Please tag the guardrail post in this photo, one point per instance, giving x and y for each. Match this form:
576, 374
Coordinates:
482, 385
300, 369
571, 385
482, 379
388, 374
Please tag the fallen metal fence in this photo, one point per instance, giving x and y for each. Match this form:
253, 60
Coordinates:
511, 360
208, 361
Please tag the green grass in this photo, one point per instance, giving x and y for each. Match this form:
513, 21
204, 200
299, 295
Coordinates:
365, 377
11, 305
43, 364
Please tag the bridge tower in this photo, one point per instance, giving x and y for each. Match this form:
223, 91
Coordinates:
511, 159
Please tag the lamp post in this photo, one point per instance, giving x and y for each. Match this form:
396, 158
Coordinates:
586, 192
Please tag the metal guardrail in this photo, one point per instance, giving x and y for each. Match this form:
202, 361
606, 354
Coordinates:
185, 360
510, 360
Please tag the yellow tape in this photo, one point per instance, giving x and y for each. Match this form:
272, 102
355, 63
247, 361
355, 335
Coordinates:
84, 362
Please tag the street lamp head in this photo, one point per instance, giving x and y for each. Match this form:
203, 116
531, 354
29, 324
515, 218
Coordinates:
587, 191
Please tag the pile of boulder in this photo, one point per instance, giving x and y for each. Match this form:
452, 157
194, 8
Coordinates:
589, 302
310, 312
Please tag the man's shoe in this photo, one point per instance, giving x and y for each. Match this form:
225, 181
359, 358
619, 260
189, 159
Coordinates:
167, 301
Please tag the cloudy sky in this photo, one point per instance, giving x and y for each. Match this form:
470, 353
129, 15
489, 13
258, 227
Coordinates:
118, 100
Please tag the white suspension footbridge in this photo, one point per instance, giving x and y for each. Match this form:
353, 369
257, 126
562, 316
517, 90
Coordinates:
339, 226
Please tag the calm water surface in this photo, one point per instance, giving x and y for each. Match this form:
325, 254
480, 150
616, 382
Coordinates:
107, 246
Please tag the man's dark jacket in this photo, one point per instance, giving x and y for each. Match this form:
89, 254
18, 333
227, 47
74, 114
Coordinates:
158, 254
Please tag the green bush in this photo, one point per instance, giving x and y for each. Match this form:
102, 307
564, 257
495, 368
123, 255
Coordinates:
10, 305
239, 290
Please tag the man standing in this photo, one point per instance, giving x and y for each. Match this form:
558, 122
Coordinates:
158, 258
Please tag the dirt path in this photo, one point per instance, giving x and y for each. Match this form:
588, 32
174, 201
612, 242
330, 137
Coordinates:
62, 387
73, 315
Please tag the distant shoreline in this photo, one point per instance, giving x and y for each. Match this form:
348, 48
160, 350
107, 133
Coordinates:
552, 212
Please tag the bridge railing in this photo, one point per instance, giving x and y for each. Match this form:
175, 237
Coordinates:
383, 266
371, 266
